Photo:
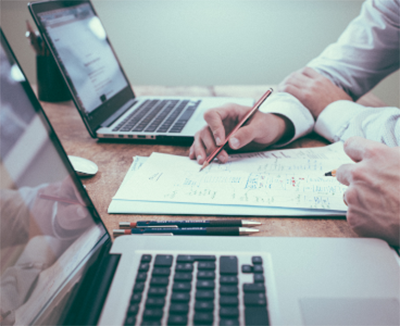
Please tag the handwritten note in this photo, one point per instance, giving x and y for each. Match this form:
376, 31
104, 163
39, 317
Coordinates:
282, 178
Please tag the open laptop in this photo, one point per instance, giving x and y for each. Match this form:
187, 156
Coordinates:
60, 267
99, 87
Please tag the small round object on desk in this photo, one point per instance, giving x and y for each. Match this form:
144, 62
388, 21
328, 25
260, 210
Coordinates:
83, 167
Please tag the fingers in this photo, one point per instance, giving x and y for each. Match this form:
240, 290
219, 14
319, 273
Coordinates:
310, 72
67, 216
358, 148
203, 145
344, 174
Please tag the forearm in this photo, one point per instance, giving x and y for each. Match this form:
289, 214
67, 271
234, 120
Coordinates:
344, 119
366, 52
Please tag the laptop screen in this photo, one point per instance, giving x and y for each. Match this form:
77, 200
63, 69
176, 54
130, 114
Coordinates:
80, 44
49, 227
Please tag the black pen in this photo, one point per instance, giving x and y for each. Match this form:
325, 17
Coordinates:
189, 231
188, 223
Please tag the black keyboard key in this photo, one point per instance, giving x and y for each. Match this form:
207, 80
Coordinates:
183, 277
150, 323
136, 297
182, 287
161, 271
133, 309
228, 279
258, 278
229, 312
228, 290
180, 297
256, 316
144, 267
177, 320
247, 269
163, 260
206, 265
192, 258
205, 284
155, 302
255, 299
254, 287
159, 281
157, 291
204, 305
185, 267
204, 295
229, 322
179, 308
228, 265
228, 300
139, 287
210, 275
256, 260
145, 259
141, 277
152, 314
258, 269
130, 320
203, 318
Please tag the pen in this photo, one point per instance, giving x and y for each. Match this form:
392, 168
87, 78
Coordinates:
331, 173
189, 231
61, 199
188, 223
240, 124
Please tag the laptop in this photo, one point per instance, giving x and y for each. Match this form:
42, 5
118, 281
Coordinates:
59, 265
99, 87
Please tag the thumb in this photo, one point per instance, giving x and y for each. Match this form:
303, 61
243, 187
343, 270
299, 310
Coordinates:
357, 148
242, 137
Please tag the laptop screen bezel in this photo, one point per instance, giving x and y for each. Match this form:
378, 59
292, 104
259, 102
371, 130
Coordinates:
99, 115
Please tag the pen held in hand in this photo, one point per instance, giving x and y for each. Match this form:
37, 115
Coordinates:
239, 125
190, 231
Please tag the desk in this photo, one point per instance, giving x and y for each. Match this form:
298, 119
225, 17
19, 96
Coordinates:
114, 159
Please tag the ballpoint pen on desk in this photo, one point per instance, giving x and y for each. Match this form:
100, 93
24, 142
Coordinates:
240, 124
189, 231
189, 223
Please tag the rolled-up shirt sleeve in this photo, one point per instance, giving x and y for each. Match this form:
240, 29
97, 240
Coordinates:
366, 52
343, 119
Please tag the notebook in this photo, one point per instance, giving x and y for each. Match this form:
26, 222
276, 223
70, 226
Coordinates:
99, 87
60, 267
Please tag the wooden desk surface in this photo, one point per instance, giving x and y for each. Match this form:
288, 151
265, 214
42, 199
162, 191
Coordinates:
114, 159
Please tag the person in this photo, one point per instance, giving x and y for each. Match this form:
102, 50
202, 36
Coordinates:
322, 97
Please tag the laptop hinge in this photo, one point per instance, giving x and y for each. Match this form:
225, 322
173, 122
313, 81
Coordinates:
92, 291
118, 113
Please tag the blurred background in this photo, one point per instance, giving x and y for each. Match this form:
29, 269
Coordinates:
209, 42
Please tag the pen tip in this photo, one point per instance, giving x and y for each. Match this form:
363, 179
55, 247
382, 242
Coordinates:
205, 164
328, 174
250, 223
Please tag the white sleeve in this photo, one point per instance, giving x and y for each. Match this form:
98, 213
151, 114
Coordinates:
343, 119
290, 107
366, 52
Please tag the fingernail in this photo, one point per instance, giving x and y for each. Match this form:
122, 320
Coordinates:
218, 141
234, 142
190, 151
199, 158
81, 212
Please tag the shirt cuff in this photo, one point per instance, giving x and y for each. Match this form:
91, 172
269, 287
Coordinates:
334, 120
290, 107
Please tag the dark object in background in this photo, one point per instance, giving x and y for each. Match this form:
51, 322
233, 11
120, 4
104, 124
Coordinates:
50, 83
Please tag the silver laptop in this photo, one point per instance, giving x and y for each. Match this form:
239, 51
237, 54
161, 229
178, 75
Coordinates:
60, 267
99, 86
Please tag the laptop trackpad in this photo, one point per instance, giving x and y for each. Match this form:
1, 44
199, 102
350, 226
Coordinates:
345, 311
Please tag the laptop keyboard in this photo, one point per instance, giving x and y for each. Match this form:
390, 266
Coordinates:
158, 116
198, 290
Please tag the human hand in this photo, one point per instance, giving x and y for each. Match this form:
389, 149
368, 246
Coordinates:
312, 89
373, 195
262, 130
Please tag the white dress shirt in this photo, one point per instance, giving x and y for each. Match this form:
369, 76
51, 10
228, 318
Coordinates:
366, 52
